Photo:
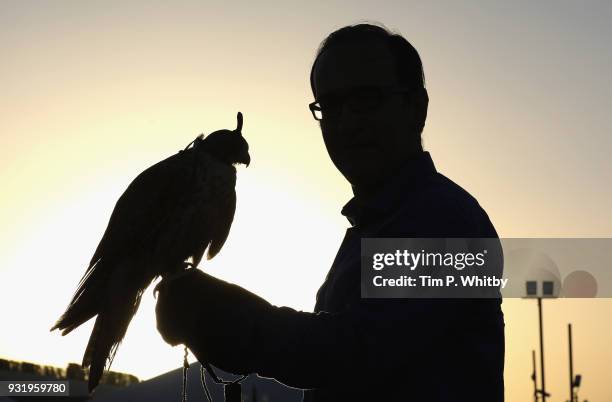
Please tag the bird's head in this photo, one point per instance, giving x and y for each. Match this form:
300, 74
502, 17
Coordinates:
228, 146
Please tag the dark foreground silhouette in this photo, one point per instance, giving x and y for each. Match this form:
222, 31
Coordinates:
371, 104
171, 212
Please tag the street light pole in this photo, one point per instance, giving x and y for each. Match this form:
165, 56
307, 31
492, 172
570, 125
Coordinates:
571, 363
543, 390
534, 377
549, 290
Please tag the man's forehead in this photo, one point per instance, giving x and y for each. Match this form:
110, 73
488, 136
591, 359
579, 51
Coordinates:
349, 65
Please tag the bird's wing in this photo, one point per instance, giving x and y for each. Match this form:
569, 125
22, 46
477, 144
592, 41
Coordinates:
137, 215
141, 209
225, 207
207, 217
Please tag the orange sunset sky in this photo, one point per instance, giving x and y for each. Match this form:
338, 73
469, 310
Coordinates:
94, 92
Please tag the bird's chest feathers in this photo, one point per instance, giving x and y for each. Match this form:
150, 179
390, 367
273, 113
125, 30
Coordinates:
212, 179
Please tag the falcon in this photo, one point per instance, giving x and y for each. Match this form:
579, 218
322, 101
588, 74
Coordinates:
169, 216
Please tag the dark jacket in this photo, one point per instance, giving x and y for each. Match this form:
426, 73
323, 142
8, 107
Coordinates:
354, 349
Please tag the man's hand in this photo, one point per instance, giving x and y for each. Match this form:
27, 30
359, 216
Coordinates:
177, 299
214, 318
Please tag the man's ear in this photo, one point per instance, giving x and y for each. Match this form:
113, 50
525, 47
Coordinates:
417, 102
420, 102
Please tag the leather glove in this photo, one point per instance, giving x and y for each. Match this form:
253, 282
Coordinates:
217, 320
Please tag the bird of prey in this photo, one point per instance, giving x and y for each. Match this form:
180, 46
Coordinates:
168, 217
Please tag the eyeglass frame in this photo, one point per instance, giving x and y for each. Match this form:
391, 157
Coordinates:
388, 91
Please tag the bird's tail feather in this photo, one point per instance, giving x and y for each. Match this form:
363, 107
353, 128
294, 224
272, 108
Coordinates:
85, 303
109, 330
112, 291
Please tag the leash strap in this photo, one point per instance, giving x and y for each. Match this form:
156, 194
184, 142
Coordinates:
232, 389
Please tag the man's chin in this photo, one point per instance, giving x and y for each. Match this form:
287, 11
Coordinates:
362, 177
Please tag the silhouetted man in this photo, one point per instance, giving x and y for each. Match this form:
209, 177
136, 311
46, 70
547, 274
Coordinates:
371, 102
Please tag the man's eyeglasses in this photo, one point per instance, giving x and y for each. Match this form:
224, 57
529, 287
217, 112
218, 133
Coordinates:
358, 100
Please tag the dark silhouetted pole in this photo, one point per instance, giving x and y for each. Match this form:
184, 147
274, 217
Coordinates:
543, 390
571, 363
534, 377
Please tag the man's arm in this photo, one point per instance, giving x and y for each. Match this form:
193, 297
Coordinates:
242, 333
239, 332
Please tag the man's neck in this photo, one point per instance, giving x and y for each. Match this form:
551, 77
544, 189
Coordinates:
368, 190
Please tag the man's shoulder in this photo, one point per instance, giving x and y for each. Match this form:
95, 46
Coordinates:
441, 207
442, 191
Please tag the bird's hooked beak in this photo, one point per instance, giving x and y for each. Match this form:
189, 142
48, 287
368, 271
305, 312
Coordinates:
245, 158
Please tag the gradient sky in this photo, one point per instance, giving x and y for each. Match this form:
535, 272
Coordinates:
94, 92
